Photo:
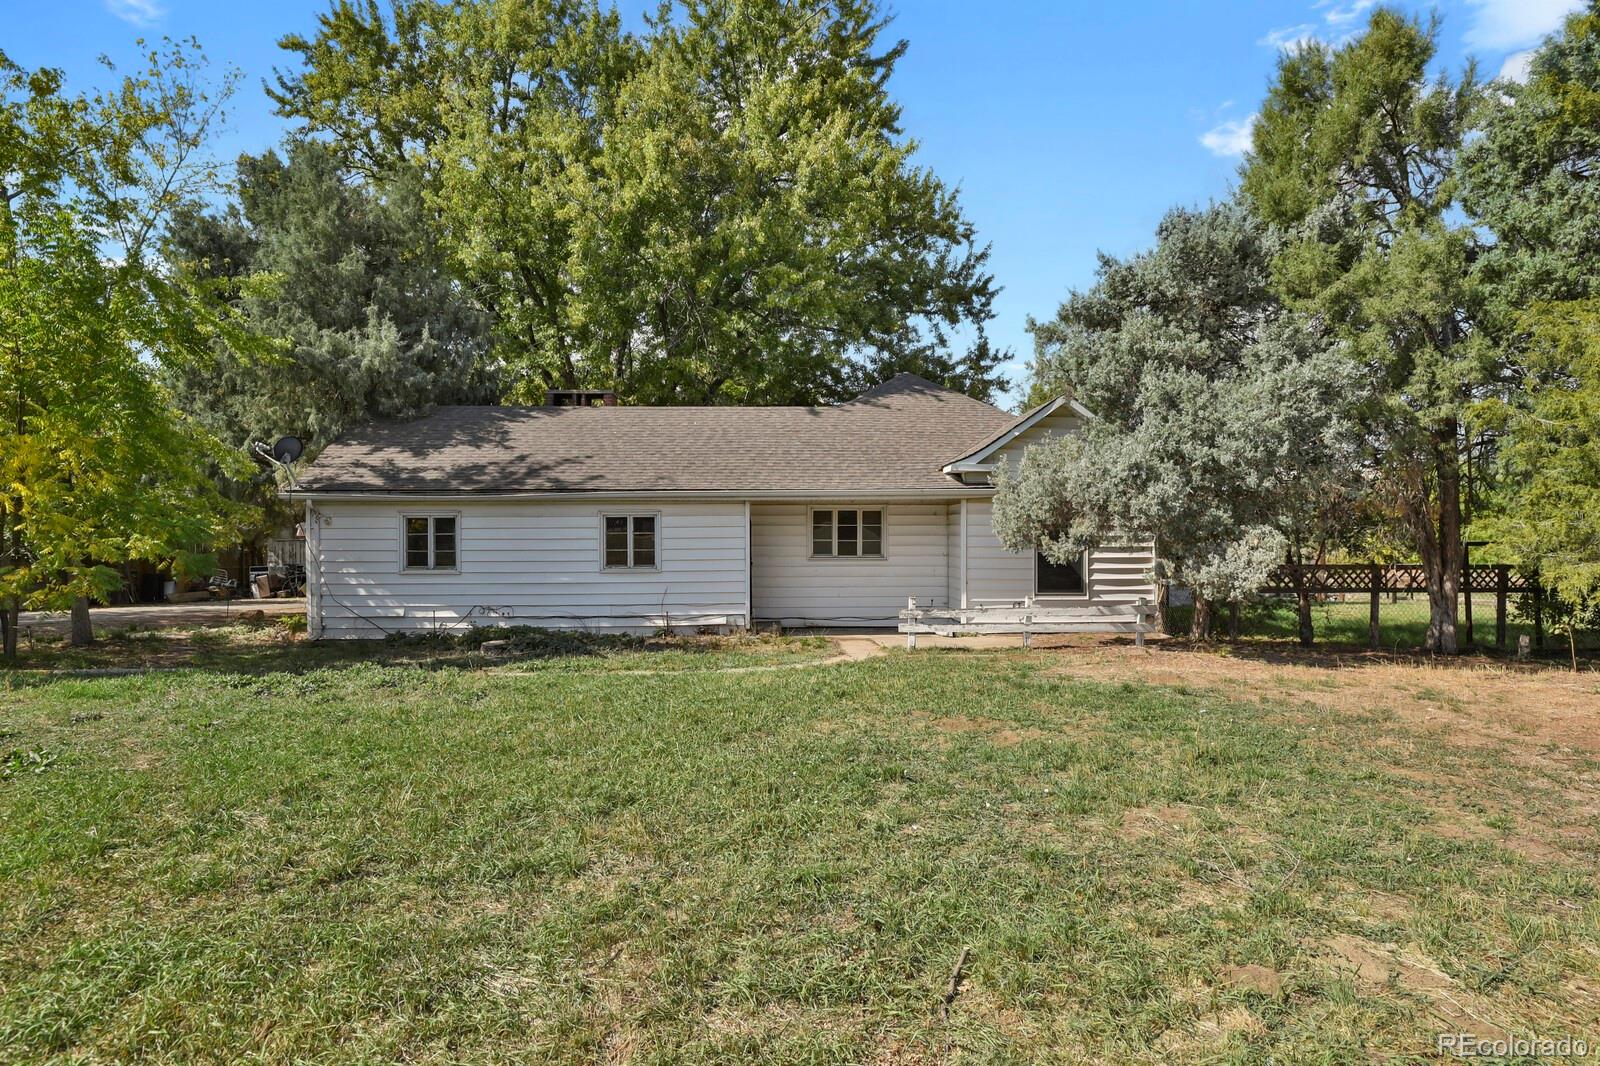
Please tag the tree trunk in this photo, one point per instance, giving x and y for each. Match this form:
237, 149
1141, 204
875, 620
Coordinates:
1572, 645
1302, 599
1162, 589
9, 617
1439, 541
82, 628
1233, 620
1200, 623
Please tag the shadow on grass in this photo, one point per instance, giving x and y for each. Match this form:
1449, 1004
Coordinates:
278, 648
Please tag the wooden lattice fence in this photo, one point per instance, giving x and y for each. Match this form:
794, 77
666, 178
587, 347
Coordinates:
1375, 580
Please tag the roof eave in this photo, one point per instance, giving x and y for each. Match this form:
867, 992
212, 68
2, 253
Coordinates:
956, 490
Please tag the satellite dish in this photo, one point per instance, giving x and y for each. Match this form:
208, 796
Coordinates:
287, 450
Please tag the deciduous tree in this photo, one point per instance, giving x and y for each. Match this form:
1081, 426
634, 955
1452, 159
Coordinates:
724, 209
96, 466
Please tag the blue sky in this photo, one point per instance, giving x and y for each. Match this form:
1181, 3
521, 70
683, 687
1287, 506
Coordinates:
1070, 127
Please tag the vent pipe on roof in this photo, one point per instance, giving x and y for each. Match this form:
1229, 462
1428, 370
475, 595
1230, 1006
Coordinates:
580, 398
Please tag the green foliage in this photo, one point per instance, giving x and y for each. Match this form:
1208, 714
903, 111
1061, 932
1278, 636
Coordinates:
1355, 158
721, 210
1531, 179
96, 466
346, 282
1223, 428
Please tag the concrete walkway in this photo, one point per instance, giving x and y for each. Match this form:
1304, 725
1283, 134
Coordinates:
162, 615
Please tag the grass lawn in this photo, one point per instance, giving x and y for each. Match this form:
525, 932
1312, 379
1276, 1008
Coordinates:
1402, 624
591, 859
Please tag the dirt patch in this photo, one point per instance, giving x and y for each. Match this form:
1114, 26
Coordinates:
1386, 967
1478, 701
1140, 822
1001, 734
1209, 1032
1252, 978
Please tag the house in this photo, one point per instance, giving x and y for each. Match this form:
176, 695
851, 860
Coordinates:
643, 518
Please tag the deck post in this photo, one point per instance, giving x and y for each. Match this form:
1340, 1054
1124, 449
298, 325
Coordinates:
1027, 631
1538, 614
911, 623
1502, 588
1372, 611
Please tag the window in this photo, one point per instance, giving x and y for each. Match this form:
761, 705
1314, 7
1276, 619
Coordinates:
1058, 579
430, 542
630, 542
847, 533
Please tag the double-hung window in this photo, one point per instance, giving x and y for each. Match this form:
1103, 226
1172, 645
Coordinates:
630, 542
430, 542
847, 533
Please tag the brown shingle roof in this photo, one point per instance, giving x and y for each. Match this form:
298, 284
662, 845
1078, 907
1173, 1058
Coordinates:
894, 438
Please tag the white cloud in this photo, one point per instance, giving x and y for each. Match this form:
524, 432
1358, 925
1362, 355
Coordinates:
1501, 24
1340, 15
1515, 68
1229, 138
1291, 37
137, 12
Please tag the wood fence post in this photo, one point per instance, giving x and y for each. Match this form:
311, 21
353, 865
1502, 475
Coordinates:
1538, 614
1372, 612
1502, 588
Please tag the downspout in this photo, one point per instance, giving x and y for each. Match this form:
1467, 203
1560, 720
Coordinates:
749, 574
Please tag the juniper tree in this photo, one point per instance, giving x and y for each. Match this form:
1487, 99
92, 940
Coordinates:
1531, 180
1355, 156
342, 274
1222, 426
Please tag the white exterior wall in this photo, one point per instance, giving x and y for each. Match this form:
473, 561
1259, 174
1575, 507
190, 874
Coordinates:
789, 586
530, 562
1117, 574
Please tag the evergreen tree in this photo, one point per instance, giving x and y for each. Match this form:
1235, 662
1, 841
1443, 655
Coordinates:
1531, 180
1355, 154
1222, 428
343, 277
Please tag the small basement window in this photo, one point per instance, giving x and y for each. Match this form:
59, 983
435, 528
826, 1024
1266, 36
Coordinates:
847, 533
1058, 579
630, 542
430, 542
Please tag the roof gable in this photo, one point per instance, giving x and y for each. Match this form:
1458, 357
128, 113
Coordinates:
981, 457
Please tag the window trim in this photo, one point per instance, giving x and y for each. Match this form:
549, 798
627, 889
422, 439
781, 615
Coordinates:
883, 532
1083, 573
630, 516
406, 516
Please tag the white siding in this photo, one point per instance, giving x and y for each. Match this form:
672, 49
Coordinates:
1117, 574
791, 587
994, 575
527, 563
